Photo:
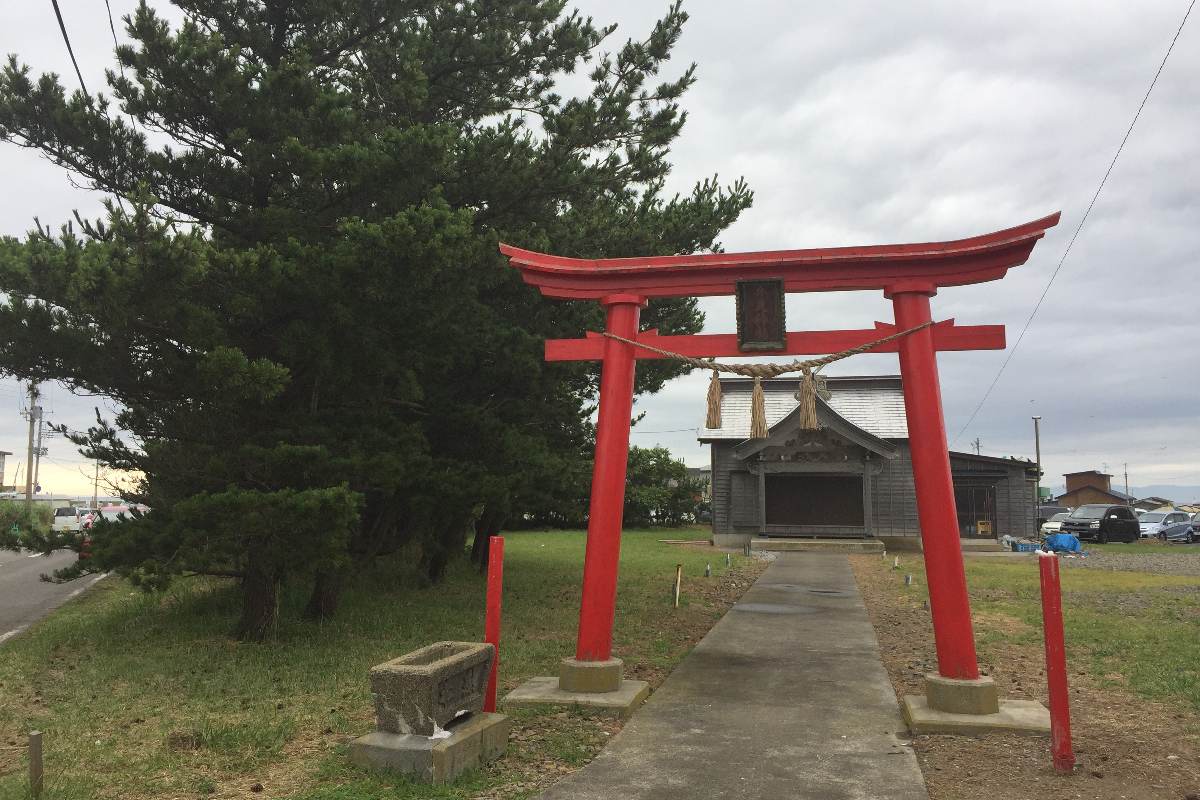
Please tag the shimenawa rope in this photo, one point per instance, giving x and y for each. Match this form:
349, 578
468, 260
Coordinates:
758, 413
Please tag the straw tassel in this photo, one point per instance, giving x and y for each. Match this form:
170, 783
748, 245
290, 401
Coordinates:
714, 401
758, 412
808, 402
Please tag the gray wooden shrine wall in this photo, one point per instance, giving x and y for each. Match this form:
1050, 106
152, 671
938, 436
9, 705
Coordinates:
893, 496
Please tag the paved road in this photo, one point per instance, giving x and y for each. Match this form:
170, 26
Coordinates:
24, 597
786, 697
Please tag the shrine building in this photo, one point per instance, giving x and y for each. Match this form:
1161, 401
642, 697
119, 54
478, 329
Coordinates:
852, 478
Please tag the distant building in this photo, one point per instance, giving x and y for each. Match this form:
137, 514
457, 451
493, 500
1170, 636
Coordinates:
853, 477
60, 500
1152, 504
1089, 487
704, 474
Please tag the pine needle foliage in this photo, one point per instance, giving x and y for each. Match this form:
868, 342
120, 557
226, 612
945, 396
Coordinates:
296, 301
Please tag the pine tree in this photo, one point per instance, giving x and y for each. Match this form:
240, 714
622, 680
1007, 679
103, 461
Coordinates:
297, 299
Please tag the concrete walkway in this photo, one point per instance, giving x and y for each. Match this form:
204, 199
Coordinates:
786, 697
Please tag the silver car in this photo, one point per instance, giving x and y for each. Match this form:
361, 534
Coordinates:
1153, 523
1182, 531
1054, 524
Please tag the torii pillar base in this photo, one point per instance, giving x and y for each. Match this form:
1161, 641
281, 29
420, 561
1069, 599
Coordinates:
971, 708
590, 676
619, 704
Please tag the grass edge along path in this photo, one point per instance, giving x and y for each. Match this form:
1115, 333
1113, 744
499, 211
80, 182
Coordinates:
1133, 654
149, 696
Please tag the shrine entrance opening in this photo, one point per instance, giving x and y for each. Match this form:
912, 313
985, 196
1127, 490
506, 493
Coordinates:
908, 275
816, 501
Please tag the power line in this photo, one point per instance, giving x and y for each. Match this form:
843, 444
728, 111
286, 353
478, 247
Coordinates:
62, 27
1081, 221
112, 27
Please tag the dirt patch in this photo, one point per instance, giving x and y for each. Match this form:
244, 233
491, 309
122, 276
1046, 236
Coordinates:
1174, 562
703, 601
544, 749
1126, 748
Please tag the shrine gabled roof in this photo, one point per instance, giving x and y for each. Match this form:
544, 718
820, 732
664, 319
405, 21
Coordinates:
873, 403
933, 264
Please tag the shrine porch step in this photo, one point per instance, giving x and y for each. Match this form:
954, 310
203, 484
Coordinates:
818, 545
981, 546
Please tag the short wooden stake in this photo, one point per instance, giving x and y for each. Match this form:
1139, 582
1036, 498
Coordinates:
36, 780
678, 578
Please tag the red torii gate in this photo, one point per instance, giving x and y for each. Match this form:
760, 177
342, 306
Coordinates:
908, 275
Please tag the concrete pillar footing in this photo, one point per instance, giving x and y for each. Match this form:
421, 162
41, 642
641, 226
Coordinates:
956, 696
590, 677
546, 692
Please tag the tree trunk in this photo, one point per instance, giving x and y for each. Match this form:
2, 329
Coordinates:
489, 524
327, 591
449, 542
259, 596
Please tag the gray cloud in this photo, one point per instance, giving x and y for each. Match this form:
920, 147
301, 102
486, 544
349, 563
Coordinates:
868, 123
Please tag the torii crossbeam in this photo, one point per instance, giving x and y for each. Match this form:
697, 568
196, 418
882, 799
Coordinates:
907, 274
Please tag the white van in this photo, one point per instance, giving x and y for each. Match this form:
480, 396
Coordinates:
68, 519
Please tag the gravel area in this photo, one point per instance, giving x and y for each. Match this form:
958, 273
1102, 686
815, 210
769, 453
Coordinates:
1184, 563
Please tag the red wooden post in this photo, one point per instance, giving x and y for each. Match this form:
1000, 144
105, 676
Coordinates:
491, 628
952, 631
1056, 664
603, 553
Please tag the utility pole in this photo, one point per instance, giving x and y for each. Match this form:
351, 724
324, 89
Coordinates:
1037, 447
976, 445
35, 413
37, 464
1128, 499
96, 486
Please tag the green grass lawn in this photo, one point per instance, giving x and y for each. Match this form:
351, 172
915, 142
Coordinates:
147, 695
1135, 629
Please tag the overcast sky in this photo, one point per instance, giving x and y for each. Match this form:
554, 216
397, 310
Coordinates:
874, 123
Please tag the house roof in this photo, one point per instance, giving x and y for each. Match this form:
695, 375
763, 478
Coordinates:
826, 418
1008, 462
873, 403
1115, 495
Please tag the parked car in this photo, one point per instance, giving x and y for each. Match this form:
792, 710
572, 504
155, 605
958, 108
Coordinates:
1054, 524
115, 513
1102, 523
1179, 527
68, 518
1153, 522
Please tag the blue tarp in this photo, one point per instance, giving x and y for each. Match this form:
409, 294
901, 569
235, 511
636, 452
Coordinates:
1063, 543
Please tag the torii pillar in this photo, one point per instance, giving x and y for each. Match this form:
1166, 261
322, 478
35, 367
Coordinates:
907, 274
